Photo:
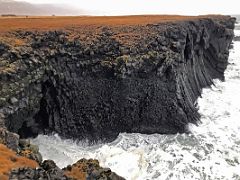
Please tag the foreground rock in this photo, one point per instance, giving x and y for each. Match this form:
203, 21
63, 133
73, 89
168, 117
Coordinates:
47, 171
16, 167
20, 146
83, 169
91, 170
9, 160
20, 163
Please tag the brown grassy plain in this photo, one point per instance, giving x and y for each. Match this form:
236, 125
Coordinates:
61, 22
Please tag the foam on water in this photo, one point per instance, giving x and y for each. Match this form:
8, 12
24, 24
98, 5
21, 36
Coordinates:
212, 151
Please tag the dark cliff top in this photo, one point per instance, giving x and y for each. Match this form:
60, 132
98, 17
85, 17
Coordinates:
130, 27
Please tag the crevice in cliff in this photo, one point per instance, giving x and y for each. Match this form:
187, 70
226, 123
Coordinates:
49, 106
187, 49
42, 117
210, 61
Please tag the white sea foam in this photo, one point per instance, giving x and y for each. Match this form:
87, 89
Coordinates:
211, 152
237, 32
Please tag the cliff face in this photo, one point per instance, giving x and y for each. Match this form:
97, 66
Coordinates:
95, 84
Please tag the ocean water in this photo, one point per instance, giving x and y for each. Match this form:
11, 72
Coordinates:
210, 152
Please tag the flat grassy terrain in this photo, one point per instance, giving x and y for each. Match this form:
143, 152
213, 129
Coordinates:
125, 29
60, 22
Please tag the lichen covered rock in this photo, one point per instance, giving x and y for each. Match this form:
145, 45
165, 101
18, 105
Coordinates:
82, 170
90, 170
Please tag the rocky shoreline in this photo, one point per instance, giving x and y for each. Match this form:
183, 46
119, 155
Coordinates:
22, 160
95, 82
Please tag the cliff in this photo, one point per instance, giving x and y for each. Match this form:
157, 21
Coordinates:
95, 81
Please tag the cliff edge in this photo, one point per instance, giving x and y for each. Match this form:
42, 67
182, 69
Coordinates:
94, 80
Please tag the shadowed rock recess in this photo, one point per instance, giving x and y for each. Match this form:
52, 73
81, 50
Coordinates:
97, 82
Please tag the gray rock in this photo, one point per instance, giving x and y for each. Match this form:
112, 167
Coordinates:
11, 140
35, 174
13, 100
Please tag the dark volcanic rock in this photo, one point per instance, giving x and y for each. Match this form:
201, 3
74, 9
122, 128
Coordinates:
47, 171
143, 79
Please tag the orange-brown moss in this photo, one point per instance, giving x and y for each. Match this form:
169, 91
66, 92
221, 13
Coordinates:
84, 26
9, 160
12, 40
76, 173
86, 22
25, 153
79, 169
63, 22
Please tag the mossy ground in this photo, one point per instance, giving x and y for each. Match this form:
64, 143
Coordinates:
9, 160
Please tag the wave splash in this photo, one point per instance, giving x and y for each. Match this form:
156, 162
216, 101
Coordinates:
211, 151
